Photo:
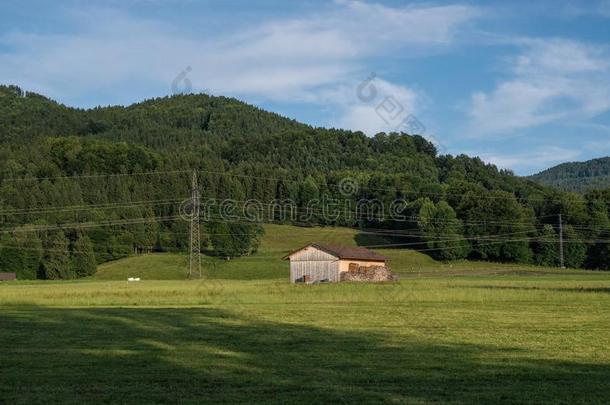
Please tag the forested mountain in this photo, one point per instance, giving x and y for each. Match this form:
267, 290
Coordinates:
577, 176
80, 187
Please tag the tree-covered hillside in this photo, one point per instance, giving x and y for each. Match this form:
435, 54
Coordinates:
79, 187
577, 176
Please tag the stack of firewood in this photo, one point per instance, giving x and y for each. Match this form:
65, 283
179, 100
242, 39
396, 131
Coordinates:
373, 274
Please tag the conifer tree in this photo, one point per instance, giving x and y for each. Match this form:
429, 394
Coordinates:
83, 257
56, 264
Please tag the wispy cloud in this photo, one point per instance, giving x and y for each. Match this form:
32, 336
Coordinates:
551, 80
598, 8
376, 25
286, 59
532, 161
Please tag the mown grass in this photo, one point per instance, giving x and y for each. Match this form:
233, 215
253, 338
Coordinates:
450, 333
499, 339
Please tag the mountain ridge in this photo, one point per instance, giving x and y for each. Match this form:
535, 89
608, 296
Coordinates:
577, 176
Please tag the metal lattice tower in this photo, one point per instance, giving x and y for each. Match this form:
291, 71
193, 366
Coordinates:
561, 254
195, 242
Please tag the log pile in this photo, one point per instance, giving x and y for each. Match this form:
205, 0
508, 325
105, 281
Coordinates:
373, 274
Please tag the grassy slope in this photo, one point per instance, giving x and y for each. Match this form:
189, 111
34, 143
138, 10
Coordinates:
266, 264
278, 241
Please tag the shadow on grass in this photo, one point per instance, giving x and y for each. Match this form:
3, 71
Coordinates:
534, 288
199, 355
388, 241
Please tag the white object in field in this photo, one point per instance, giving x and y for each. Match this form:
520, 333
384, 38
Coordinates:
131, 279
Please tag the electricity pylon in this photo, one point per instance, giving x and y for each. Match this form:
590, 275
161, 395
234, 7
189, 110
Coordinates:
561, 250
195, 243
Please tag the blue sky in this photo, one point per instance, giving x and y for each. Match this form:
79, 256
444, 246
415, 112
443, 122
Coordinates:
524, 85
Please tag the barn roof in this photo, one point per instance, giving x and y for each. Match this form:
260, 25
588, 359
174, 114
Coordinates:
345, 252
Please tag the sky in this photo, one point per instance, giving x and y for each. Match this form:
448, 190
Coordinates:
523, 85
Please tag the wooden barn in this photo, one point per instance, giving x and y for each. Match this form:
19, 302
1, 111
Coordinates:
322, 262
8, 276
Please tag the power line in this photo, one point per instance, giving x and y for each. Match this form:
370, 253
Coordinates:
364, 187
482, 244
455, 239
267, 178
195, 236
47, 249
384, 232
68, 208
385, 188
176, 249
79, 225
349, 214
92, 176
359, 214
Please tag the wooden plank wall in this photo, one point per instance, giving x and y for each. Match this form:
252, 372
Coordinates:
316, 270
316, 264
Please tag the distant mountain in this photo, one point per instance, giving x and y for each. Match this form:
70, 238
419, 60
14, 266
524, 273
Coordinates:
577, 176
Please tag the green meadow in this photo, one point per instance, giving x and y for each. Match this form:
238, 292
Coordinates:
279, 240
450, 333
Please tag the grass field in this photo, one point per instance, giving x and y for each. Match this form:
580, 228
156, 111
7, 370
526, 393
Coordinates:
499, 334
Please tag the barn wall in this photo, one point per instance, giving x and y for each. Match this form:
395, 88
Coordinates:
8, 276
317, 270
315, 263
311, 253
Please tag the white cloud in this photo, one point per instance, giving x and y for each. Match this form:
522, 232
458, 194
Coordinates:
374, 24
546, 57
599, 146
375, 105
596, 8
110, 52
552, 80
532, 161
